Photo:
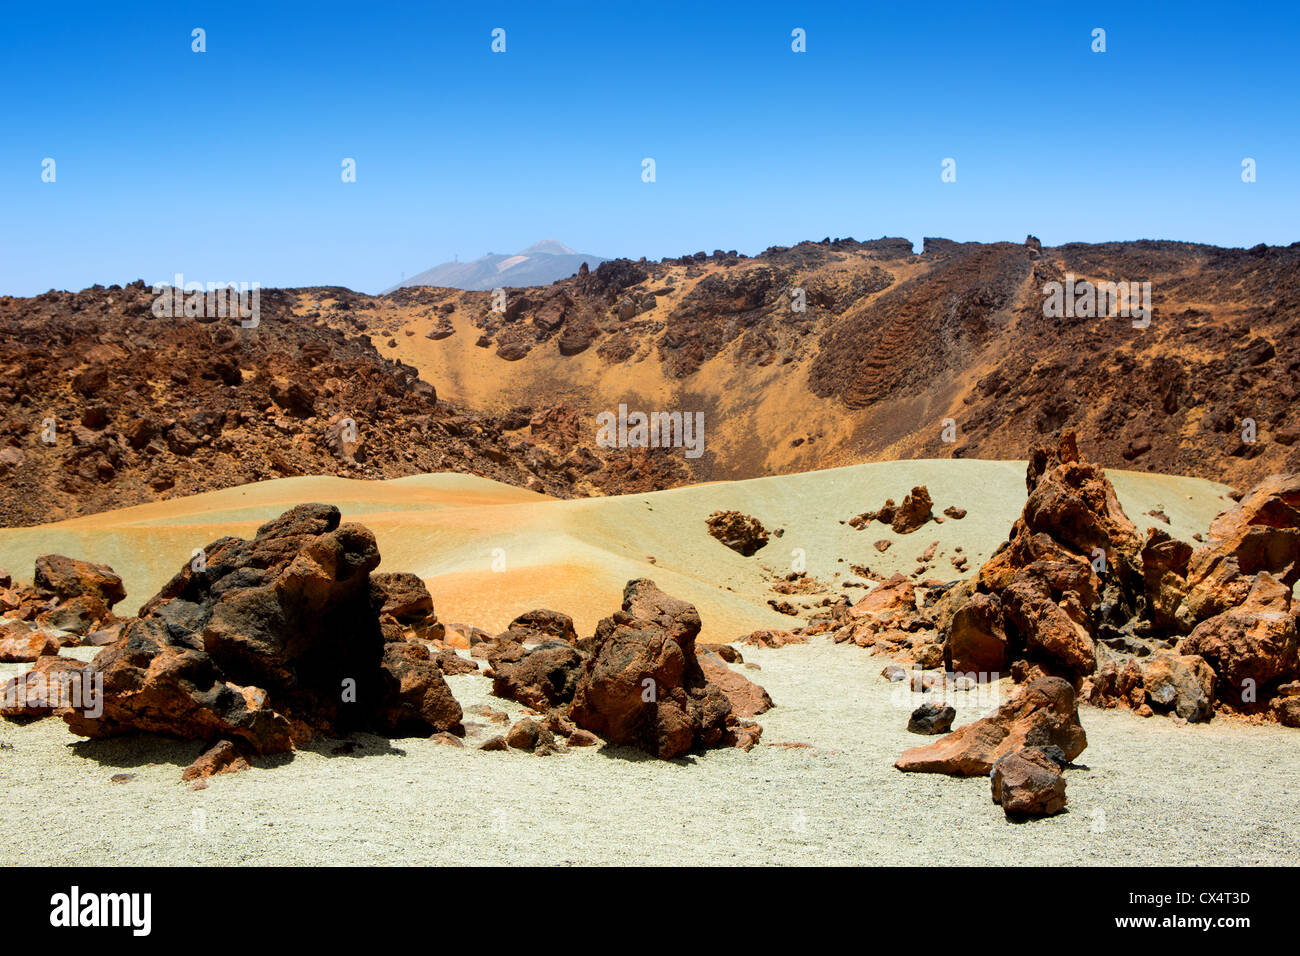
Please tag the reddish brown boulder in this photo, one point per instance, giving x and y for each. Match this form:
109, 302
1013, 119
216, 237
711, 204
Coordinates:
1164, 573
69, 578
1252, 647
21, 643
1074, 502
541, 625
1028, 783
771, 637
1182, 684
887, 601
80, 615
976, 640
543, 677
418, 701
725, 651
221, 757
402, 595
747, 698
449, 662
1286, 711
1260, 534
1048, 631
53, 684
643, 686
1040, 713
274, 639
529, 735
741, 533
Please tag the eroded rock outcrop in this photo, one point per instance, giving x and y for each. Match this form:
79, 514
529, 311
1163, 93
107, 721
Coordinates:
267, 642
643, 685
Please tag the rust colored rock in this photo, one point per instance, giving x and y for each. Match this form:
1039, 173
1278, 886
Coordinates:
725, 651
402, 595
21, 643
53, 684
79, 615
495, 743
1260, 534
1040, 713
449, 662
527, 734
643, 687
1182, 684
739, 532
952, 511
1164, 573
545, 676
886, 601
1252, 647
1072, 500
976, 640
543, 625
913, 512
221, 757
1286, 711
772, 637
69, 578
1047, 631
1028, 783
747, 698
418, 701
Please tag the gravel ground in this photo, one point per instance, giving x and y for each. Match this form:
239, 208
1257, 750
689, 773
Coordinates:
1151, 793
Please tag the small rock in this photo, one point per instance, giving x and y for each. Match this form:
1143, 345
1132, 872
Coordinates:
931, 719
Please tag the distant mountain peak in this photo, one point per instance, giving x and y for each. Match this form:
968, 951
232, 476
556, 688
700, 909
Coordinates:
540, 264
548, 247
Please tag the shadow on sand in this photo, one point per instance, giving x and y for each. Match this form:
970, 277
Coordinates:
143, 750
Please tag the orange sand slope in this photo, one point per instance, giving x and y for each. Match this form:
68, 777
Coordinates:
489, 551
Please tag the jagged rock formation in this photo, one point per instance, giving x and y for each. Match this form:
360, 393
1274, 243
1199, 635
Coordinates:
268, 643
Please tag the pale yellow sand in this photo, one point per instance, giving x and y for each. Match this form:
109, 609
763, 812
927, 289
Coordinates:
1153, 793
490, 552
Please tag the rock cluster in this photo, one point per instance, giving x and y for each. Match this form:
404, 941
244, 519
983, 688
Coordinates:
66, 595
1145, 622
640, 681
267, 642
915, 511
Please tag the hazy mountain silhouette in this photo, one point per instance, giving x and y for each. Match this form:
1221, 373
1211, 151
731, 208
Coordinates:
540, 264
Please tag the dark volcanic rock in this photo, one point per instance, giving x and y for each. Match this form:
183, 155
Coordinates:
643, 686
273, 640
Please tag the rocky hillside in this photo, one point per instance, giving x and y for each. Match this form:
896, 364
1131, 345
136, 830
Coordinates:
890, 344
104, 405
822, 354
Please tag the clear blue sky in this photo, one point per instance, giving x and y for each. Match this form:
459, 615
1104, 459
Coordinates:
226, 165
